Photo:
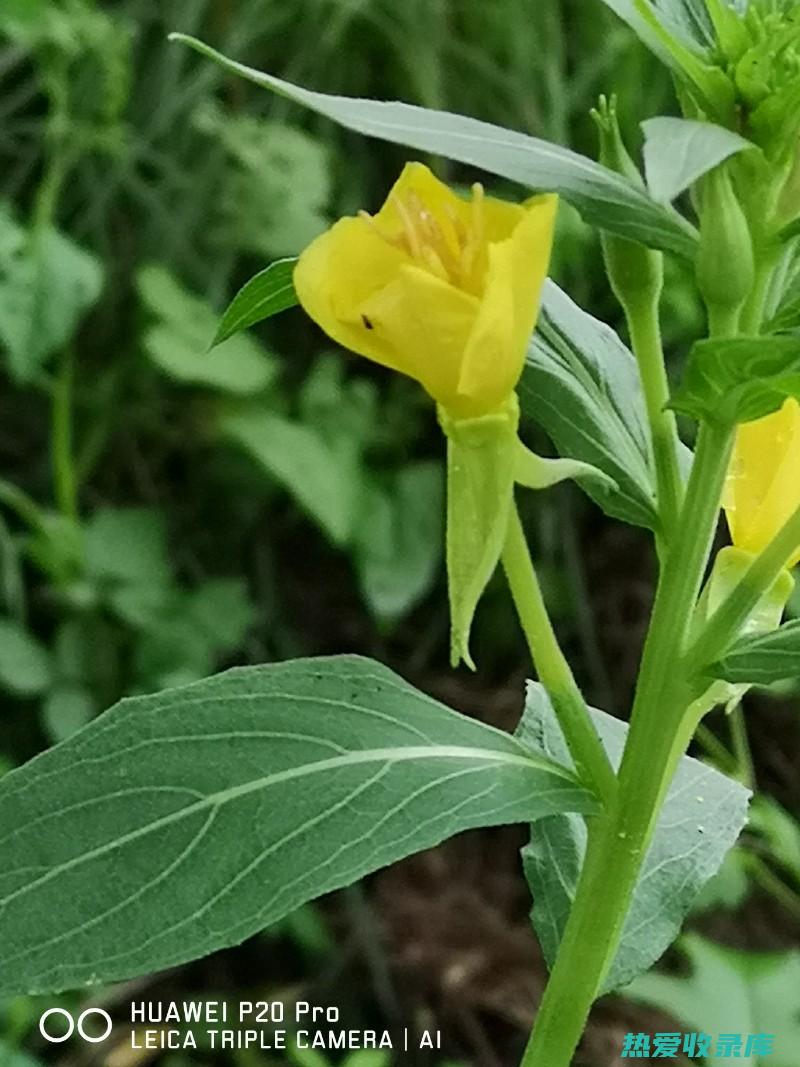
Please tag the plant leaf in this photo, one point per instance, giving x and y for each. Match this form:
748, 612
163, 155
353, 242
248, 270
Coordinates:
399, 538
25, 664
270, 291
47, 284
740, 379
179, 343
581, 385
679, 151
762, 659
179, 823
701, 820
678, 32
731, 992
324, 480
604, 198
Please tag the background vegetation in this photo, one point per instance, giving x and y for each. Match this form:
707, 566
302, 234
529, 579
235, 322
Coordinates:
165, 513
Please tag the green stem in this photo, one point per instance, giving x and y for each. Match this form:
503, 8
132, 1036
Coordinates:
660, 732
723, 321
773, 885
645, 331
23, 505
61, 440
591, 760
727, 621
752, 314
745, 771
715, 750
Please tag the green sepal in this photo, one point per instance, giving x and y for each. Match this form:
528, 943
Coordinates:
536, 472
729, 568
485, 459
636, 273
481, 470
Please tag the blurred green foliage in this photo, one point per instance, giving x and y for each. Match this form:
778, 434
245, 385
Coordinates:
142, 472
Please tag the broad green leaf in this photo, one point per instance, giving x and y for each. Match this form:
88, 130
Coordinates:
25, 666
581, 385
47, 284
324, 481
679, 151
221, 611
761, 659
180, 823
271, 291
128, 546
400, 539
604, 198
276, 189
179, 342
731, 992
702, 817
739, 380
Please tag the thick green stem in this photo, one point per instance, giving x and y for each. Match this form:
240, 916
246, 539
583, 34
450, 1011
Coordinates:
591, 761
645, 331
660, 732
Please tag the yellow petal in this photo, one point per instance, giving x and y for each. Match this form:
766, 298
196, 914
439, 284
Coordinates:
763, 488
418, 181
425, 323
490, 366
517, 268
337, 273
502, 218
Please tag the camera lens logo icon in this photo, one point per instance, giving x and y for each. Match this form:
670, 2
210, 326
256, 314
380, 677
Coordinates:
66, 1028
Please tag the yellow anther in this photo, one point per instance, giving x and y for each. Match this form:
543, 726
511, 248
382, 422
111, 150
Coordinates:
410, 231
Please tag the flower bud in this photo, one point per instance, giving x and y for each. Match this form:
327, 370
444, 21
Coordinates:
636, 273
725, 260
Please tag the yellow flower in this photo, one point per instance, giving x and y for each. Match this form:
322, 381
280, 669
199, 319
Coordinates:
439, 288
763, 487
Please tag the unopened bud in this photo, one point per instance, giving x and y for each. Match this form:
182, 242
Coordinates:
635, 272
725, 259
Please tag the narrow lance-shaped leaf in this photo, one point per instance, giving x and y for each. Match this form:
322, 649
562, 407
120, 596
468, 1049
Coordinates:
604, 198
270, 291
179, 823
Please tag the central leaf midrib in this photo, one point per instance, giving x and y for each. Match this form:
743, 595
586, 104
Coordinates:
388, 755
